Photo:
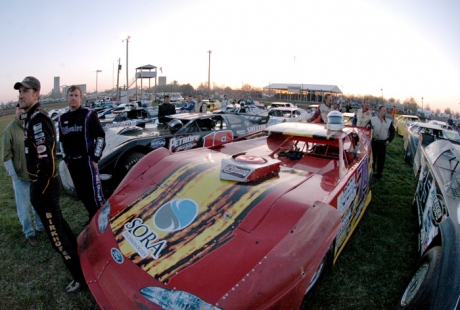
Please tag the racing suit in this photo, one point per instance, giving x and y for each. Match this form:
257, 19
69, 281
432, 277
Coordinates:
39, 146
82, 142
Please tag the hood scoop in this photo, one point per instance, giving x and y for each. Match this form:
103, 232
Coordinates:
243, 167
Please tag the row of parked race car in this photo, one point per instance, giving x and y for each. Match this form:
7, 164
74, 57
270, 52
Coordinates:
255, 209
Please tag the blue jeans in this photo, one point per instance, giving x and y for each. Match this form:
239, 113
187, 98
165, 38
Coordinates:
23, 205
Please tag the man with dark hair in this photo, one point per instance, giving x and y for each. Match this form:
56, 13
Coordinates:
323, 111
382, 134
82, 142
165, 109
188, 105
45, 189
14, 159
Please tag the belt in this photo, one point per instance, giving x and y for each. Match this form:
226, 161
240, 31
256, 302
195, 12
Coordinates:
380, 141
78, 156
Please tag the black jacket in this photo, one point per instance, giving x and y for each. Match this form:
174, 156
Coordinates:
165, 109
81, 134
40, 147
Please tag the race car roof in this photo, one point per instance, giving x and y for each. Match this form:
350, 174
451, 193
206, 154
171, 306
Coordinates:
318, 131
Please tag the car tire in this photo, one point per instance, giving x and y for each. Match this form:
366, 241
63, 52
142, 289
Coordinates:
66, 179
327, 259
407, 157
417, 293
126, 163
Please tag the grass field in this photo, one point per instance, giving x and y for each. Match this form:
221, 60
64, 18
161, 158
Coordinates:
370, 273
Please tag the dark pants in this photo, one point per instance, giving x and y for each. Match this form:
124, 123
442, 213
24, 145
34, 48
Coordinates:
87, 183
379, 152
59, 233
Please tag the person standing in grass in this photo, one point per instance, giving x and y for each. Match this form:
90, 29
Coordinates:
82, 142
14, 159
382, 134
45, 189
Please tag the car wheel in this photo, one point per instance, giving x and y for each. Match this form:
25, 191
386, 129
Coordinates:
126, 163
407, 157
324, 263
416, 295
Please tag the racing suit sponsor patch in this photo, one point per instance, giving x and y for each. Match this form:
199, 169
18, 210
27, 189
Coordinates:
99, 144
41, 149
39, 135
37, 127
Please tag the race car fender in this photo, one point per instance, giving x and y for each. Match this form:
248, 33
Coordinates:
290, 261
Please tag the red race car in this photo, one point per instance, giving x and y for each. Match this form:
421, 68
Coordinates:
244, 225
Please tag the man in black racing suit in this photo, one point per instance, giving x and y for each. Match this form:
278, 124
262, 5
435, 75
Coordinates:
82, 141
39, 146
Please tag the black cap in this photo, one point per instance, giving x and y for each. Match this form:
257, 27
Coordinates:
28, 82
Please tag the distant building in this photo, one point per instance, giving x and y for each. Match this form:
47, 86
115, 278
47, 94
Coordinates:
56, 85
161, 80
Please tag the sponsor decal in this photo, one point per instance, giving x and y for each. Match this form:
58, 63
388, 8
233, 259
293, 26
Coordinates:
240, 132
41, 149
157, 143
256, 128
116, 255
43, 156
74, 128
37, 128
236, 171
347, 196
39, 135
175, 215
178, 141
184, 147
143, 239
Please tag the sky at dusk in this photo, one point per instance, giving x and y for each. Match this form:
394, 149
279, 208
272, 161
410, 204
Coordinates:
407, 48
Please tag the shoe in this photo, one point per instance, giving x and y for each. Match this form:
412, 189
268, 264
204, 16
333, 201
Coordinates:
74, 287
33, 241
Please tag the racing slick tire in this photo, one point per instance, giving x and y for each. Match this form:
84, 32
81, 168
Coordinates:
406, 157
327, 259
126, 163
417, 293
66, 179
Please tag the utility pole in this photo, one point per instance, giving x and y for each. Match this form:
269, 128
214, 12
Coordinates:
118, 80
127, 81
209, 76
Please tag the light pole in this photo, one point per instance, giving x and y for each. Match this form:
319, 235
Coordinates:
209, 75
127, 82
382, 93
423, 113
97, 71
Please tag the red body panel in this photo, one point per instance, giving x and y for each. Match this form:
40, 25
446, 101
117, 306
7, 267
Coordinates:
246, 245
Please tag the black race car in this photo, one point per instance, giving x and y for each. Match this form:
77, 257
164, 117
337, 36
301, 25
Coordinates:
126, 146
435, 282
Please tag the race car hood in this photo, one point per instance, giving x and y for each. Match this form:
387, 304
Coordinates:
186, 222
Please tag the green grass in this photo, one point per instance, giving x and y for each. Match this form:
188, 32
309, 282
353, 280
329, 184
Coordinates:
371, 272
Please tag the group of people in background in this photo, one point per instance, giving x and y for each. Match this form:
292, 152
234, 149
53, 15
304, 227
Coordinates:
29, 144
